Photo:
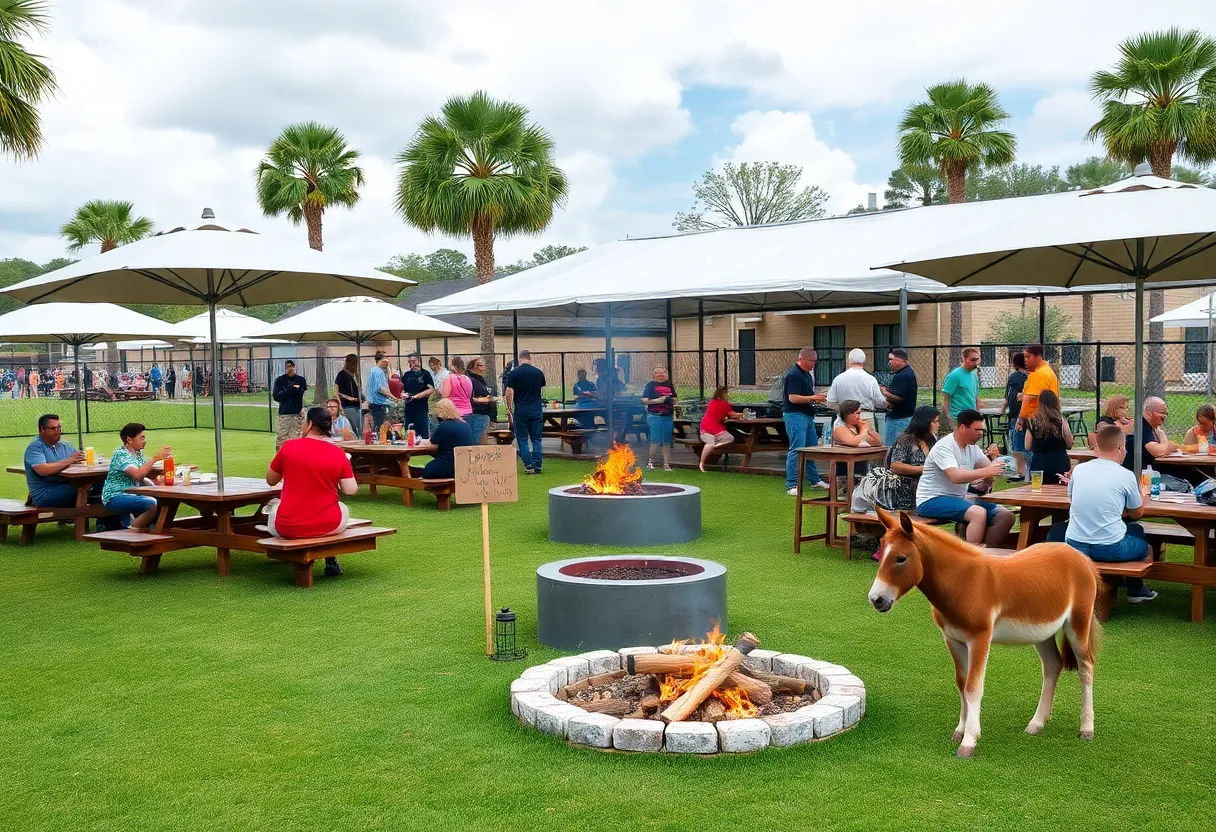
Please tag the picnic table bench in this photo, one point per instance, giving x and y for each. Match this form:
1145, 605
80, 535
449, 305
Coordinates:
501, 435
28, 516
869, 522
376, 465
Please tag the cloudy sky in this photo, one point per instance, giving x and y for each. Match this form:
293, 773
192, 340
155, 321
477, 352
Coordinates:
168, 103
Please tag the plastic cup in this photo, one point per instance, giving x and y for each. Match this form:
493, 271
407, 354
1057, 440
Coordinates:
1036, 480
90, 456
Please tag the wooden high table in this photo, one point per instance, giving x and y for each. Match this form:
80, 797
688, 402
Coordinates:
1199, 520
384, 464
829, 455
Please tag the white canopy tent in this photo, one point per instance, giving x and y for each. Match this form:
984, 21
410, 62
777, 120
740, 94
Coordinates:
209, 264
1197, 313
1143, 229
77, 324
231, 328
358, 319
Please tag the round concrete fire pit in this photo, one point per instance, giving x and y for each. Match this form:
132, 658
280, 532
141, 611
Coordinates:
661, 513
591, 603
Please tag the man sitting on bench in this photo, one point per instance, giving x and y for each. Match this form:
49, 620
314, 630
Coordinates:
1101, 493
45, 458
312, 470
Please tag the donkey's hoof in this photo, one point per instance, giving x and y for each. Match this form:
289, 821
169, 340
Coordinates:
965, 752
957, 736
1088, 736
1034, 729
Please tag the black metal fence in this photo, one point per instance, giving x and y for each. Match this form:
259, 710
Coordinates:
178, 395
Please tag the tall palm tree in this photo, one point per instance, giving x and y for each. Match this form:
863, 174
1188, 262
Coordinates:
1158, 101
955, 131
480, 169
110, 223
307, 169
25, 79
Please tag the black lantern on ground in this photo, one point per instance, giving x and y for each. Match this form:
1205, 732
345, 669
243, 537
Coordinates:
504, 638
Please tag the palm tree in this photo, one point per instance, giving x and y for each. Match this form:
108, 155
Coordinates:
25, 79
307, 169
480, 169
111, 224
955, 132
1157, 101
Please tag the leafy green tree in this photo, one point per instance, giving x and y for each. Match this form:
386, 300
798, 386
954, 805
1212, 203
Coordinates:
751, 193
1193, 176
26, 80
480, 169
914, 184
955, 131
1023, 328
108, 223
545, 255
307, 169
1095, 172
1014, 180
449, 264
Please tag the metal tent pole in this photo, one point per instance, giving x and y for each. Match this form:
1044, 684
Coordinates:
217, 412
670, 369
701, 348
1138, 417
903, 317
514, 335
610, 358
1043, 320
79, 385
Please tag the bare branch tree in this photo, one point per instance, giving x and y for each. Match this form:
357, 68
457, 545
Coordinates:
751, 193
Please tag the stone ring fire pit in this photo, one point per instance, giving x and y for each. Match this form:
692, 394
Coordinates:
630, 699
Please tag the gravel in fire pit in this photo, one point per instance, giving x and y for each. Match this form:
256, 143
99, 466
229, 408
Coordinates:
633, 573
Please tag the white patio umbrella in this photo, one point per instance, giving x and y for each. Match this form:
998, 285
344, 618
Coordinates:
359, 319
1144, 229
77, 324
209, 264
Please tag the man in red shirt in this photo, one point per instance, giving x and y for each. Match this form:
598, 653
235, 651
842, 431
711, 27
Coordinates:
312, 470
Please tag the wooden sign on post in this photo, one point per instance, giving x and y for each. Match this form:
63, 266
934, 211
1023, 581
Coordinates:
486, 474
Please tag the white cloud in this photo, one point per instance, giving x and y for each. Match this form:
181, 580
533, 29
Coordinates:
777, 136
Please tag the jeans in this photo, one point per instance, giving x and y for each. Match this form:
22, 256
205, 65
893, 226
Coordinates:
801, 430
129, 506
55, 496
355, 417
946, 507
479, 424
416, 415
379, 414
1132, 547
528, 429
660, 427
894, 427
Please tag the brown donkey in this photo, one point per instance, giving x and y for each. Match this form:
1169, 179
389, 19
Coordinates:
980, 599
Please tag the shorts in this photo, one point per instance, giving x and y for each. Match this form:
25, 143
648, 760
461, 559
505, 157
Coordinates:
722, 438
660, 427
1017, 441
953, 508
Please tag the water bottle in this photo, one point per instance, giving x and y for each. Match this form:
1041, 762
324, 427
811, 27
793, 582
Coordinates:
1154, 484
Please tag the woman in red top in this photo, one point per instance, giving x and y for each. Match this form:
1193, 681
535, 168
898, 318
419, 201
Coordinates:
312, 470
714, 434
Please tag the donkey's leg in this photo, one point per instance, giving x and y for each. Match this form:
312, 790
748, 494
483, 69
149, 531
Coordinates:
1078, 631
1052, 665
958, 652
977, 663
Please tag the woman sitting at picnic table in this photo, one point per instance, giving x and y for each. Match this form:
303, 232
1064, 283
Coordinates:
852, 431
1048, 439
312, 470
894, 487
340, 428
452, 432
1205, 428
1115, 413
129, 469
714, 435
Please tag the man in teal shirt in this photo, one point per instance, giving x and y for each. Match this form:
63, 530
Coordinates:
961, 388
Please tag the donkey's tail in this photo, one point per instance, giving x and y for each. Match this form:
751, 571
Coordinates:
1093, 645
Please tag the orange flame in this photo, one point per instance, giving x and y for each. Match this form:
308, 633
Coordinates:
617, 473
735, 700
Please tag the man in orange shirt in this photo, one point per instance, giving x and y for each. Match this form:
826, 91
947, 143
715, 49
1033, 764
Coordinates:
1041, 378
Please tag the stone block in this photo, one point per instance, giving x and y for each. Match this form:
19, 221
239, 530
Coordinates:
525, 705
740, 736
792, 728
810, 671
847, 685
577, 668
534, 685
552, 718
602, 661
828, 718
691, 738
790, 664
638, 735
554, 675
761, 659
625, 652
851, 705
594, 730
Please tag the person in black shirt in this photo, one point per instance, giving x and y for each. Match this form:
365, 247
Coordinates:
798, 412
1156, 446
1011, 408
450, 433
288, 391
485, 406
417, 388
659, 396
900, 395
170, 382
346, 390
525, 406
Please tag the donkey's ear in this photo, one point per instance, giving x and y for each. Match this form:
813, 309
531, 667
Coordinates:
886, 519
905, 523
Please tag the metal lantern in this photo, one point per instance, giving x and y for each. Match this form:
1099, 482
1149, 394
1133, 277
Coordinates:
504, 638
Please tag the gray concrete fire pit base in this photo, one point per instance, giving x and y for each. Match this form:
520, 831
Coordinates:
667, 513
578, 613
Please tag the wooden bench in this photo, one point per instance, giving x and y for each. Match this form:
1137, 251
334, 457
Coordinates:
576, 439
502, 436
443, 489
145, 545
721, 454
301, 553
28, 517
1159, 535
855, 522
1111, 575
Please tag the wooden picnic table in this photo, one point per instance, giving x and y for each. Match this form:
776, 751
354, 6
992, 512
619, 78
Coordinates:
1074, 413
829, 455
83, 477
1197, 460
762, 434
1199, 520
384, 464
557, 420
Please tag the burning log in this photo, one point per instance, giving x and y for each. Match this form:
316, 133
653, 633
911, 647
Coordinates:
758, 685
612, 707
778, 684
757, 691
691, 699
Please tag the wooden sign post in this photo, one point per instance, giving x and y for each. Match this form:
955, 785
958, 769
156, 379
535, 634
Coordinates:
486, 474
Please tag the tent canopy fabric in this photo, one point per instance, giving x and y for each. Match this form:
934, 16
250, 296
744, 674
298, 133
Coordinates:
231, 327
80, 323
1198, 313
359, 319
795, 265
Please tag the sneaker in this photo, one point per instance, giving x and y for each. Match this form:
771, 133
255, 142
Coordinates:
822, 484
1018, 478
793, 492
529, 471
666, 467
649, 465
332, 570
1141, 595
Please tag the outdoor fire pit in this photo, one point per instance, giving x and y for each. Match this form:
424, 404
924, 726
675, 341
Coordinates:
614, 507
702, 698
598, 602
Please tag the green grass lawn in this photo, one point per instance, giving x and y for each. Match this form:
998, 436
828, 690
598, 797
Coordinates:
187, 701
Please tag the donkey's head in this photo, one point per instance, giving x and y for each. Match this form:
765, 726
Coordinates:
900, 568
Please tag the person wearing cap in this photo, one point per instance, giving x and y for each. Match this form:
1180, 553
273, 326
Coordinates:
900, 395
855, 384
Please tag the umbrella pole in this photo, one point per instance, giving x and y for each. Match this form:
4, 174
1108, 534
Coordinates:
610, 358
216, 406
79, 385
1138, 417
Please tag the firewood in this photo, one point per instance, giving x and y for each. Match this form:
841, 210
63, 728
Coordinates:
779, 684
758, 692
691, 699
612, 707
712, 711
676, 665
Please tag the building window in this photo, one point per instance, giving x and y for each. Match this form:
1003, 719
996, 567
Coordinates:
1196, 356
829, 343
886, 338
988, 355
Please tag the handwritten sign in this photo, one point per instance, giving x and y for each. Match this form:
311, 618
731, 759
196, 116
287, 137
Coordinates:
486, 474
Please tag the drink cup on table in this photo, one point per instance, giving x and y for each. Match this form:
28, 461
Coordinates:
90, 456
1036, 480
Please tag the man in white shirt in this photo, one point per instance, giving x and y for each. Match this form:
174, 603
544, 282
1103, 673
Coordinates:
1101, 494
857, 385
954, 463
